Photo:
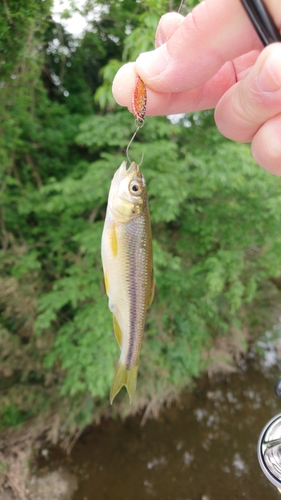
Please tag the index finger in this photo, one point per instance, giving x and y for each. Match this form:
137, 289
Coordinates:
216, 31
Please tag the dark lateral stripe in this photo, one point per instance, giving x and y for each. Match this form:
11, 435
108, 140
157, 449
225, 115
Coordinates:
133, 318
134, 237
133, 300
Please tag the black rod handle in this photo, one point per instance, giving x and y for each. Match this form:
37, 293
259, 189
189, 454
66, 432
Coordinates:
262, 21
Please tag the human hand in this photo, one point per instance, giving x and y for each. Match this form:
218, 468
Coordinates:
213, 58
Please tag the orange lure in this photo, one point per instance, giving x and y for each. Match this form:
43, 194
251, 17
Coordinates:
139, 100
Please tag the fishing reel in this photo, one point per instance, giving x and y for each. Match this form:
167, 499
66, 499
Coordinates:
269, 446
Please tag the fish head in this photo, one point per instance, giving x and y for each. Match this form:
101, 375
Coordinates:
127, 194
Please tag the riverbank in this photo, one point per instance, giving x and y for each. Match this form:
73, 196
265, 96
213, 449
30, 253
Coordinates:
19, 480
218, 422
202, 448
28, 470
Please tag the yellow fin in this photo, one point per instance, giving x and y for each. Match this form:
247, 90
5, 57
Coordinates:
125, 377
117, 331
113, 240
105, 277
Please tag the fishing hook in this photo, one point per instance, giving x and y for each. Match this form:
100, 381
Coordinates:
139, 106
138, 124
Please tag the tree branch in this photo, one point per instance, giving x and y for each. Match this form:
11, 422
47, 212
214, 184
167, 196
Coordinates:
6, 8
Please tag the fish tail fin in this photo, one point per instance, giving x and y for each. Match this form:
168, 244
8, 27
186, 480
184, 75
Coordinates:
125, 377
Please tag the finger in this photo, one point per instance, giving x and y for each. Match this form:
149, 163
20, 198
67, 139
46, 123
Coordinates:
255, 99
266, 146
168, 24
203, 97
124, 80
123, 84
213, 33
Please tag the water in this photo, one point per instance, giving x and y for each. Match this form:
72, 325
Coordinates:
203, 448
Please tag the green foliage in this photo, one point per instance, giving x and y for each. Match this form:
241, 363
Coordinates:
103, 96
142, 38
4, 466
215, 216
12, 416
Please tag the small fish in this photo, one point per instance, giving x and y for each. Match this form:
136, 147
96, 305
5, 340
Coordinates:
128, 272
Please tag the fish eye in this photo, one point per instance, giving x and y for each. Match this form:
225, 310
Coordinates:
136, 188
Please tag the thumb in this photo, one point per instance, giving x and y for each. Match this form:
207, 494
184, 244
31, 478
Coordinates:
215, 32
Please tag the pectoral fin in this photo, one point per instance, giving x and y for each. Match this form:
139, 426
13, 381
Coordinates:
125, 377
113, 240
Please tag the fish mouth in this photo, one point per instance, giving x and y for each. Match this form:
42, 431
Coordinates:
133, 168
123, 171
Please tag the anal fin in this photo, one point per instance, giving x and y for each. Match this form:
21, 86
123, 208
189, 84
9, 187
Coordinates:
117, 331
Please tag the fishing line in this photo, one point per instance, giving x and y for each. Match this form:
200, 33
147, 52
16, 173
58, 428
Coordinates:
181, 4
139, 99
138, 126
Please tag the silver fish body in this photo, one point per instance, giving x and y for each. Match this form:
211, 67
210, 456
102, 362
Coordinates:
128, 271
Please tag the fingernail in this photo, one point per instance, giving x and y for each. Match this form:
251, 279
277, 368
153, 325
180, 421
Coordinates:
153, 63
160, 37
167, 26
270, 76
